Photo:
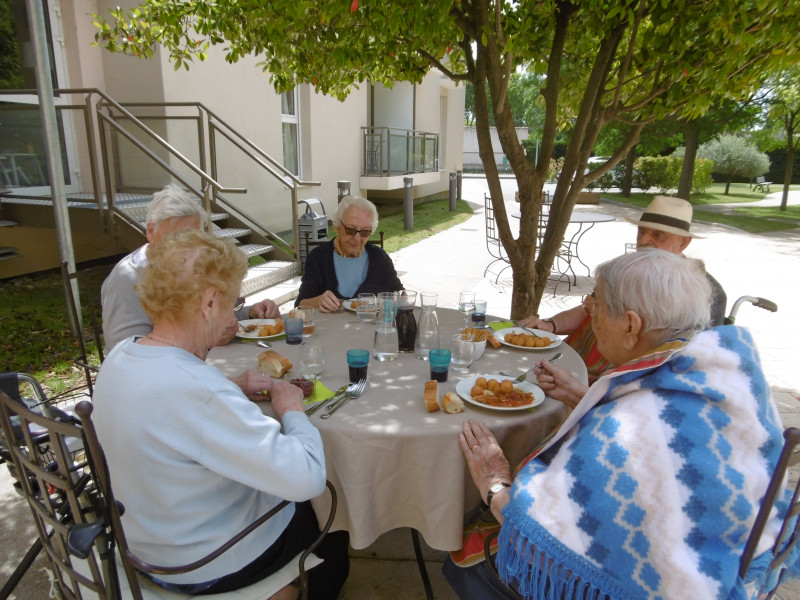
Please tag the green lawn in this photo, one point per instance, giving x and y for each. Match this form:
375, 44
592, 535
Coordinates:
750, 219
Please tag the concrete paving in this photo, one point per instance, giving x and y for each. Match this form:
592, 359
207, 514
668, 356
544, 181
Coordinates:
763, 265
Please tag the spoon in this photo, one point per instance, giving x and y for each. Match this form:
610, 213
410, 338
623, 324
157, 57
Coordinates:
264, 344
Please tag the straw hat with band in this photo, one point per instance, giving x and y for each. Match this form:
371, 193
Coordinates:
667, 213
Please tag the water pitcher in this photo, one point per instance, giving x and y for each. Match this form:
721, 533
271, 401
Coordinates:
428, 327
386, 346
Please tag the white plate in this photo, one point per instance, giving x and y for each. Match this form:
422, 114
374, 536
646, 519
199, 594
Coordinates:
464, 387
253, 335
350, 304
502, 333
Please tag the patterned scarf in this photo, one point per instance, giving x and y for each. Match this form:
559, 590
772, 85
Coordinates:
652, 483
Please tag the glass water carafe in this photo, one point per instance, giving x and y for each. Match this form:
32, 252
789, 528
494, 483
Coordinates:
428, 327
386, 345
406, 323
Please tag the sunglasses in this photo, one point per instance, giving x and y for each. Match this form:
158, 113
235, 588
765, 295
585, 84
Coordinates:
351, 231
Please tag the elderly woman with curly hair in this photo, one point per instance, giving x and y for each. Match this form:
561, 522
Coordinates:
347, 266
651, 486
192, 458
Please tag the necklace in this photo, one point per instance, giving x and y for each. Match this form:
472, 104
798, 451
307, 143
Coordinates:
161, 340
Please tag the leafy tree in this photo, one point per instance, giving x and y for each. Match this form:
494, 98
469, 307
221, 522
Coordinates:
734, 156
524, 96
784, 108
10, 57
632, 62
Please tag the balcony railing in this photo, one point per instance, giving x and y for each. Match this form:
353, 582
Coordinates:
388, 151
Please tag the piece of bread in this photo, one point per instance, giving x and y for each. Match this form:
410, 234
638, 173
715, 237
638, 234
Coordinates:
432, 396
492, 340
452, 404
273, 364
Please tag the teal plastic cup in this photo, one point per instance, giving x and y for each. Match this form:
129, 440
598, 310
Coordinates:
439, 361
357, 362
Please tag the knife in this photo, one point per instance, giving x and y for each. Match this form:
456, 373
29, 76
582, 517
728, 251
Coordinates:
336, 396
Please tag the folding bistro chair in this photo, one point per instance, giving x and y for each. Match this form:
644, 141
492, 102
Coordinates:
493, 243
83, 537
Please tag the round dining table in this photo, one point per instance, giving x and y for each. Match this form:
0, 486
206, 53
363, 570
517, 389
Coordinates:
393, 463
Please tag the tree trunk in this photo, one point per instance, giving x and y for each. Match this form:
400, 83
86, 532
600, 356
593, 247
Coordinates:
728, 184
692, 138
627, 178
787, 178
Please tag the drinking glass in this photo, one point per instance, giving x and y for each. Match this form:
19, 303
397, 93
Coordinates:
366, 308
462, 350
307, 314
294, 331
466, 304
312, 359
479, 316
439, 360
357, 361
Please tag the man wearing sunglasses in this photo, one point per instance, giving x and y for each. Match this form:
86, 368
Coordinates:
664, 225
347, 266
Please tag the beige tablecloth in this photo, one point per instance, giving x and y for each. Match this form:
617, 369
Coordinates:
393, 463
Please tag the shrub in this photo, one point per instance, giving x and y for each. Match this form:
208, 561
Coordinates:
701, 179
662, 172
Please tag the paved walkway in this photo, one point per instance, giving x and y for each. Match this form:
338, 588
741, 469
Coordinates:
745, 264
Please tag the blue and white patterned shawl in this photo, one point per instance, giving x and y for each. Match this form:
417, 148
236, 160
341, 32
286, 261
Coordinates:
654, 480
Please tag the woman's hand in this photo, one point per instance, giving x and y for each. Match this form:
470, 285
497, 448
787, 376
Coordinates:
559, 383
254, 384
286, 397
326, 302
535, 322
485, 459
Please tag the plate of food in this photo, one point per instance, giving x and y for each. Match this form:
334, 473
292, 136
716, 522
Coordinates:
492, 391
350, 304
260, 329
527, 339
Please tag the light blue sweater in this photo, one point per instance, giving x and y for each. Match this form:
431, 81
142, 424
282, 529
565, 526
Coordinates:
194, 461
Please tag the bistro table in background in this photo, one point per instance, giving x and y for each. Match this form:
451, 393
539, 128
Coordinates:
570, 247
393, 463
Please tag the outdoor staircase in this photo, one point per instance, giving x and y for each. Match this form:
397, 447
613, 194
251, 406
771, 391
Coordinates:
112, 209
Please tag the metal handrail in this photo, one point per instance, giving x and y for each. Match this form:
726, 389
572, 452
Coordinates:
211, 187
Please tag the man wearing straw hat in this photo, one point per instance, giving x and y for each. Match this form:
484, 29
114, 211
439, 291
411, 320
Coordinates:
665, 224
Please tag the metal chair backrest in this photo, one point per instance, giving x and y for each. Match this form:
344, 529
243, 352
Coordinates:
114, 510
55, 480
790, 528
94, 311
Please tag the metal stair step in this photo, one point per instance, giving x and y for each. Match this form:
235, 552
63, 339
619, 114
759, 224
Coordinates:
230, 232
7, 252
256, 249
268, 274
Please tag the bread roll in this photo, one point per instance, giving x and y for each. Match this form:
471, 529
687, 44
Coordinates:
273, 364
452, 404
432, 396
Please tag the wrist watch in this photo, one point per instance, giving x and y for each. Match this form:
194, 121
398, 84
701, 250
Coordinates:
495, 489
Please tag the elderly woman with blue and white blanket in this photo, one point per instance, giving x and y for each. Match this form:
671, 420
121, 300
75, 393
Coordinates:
651, 486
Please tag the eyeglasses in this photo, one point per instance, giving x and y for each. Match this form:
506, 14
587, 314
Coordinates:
351, 231
589, 301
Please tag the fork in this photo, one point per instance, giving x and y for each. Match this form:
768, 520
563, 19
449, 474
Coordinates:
522, 377
350, 393
525, 329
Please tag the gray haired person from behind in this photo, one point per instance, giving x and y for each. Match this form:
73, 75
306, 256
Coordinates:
170, 210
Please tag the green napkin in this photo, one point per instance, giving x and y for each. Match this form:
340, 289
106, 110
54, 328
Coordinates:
498, 325
320, 393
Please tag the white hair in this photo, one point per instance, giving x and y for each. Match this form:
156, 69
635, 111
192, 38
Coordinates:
171, 202
668, 291
357, 202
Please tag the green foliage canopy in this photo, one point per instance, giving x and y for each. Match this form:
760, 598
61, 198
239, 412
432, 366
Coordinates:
631, 62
